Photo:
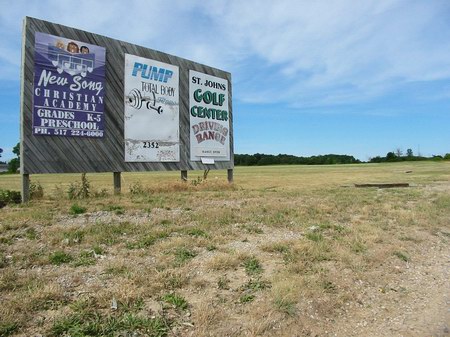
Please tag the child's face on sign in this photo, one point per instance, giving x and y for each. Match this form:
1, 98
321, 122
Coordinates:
60, 45
72, 47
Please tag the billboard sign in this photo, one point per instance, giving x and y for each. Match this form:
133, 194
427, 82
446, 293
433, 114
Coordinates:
69, 87
151, 123
90, 103
209, 117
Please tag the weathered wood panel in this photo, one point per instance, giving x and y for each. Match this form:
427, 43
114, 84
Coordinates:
57, 154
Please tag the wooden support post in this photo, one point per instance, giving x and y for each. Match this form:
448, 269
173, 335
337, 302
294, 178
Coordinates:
230, 176
117, 183
25, 188
184, 176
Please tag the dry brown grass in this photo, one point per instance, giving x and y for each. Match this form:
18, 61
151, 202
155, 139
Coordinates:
284, 251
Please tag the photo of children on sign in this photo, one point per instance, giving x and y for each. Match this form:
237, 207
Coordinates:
69, 82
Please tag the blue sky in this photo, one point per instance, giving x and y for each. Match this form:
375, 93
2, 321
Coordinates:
309, 77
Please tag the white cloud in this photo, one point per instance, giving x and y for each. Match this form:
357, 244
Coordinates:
348, 50
302, 53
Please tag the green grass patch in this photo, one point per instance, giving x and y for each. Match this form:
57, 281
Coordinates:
211, 247
197, 232
256, 285
86, 258
74, 236
328, 286
182, 255
147, 240
246, 298
285, 305
92, 323
6, 240
358, 247
252, 266
59, 257
98, 250
116, 209
31, 234
116, 271
223, 282
402, 256
314, 236
177, 301
9, 197
252, 229
8, 328
76, 209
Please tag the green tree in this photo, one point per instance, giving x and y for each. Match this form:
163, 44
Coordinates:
16, 150
409, 153
390, 156
14, 164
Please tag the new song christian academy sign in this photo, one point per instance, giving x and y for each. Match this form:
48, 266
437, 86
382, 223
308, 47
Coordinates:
69, 83
95, 104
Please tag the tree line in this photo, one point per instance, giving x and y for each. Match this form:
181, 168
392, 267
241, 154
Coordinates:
260, 159
397, 156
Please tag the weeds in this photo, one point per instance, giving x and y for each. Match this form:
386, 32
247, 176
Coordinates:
118, 210
76, 209
402, 256
246, 298
176, 300
86, 258
36, 190
252, 266
182, 255
285, 305
147, 240
9, 197
80, 190
256, 285
358, 247
8, 328
197, 232
314, 236
92, 323
98, 250
223, 282
31, 234
73, 237
59, 257
211, 247
174, 280
252, 229
137, 189
328, 286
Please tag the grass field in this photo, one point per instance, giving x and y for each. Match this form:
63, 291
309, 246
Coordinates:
284, 251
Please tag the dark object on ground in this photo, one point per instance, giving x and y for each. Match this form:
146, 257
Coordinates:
408, 171
388, 185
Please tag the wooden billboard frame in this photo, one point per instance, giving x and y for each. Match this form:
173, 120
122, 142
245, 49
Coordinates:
59, 154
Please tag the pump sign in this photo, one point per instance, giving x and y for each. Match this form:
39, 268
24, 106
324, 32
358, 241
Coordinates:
151, 111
